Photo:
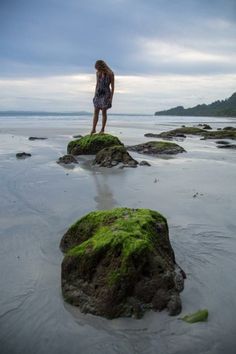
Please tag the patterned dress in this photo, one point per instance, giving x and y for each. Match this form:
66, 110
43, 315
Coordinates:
102, 98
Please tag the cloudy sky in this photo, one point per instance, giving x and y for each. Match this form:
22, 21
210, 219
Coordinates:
163, 53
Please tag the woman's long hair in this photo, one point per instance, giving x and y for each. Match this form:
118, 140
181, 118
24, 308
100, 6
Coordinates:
100, 65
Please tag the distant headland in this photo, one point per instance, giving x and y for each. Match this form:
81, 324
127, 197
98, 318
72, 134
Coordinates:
224, 108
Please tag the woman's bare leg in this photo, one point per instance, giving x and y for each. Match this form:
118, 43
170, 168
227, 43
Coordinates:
104, 120
95, 120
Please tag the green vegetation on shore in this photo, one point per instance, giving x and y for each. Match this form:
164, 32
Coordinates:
224, 108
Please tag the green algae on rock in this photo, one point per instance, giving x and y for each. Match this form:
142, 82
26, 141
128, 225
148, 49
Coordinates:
199, 316
113, 155
120, 262
91, 144
157, 148
213, 134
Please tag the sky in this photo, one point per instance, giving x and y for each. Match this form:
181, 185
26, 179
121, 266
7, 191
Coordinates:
164, 53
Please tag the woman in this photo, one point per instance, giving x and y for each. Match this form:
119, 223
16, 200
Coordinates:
103, 93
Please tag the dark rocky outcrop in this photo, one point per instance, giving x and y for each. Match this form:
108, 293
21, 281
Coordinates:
144, 163
120, 263
214, 134
91, 144
67, 159
157, 148
205, 126
114, 155
36, 138
78, 136
223, 142
227, 146
22, 155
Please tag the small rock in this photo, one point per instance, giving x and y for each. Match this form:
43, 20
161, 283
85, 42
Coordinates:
77, 136
67, 159
229, 128
36, 138
195, 195
22, 155
228, 146
144, 163
205, 126
223, 142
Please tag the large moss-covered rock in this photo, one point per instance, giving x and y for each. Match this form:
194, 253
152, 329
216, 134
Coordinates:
114, 155
120, 263
91, 144
157, 148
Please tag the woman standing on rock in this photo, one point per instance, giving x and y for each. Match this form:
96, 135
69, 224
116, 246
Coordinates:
103, 93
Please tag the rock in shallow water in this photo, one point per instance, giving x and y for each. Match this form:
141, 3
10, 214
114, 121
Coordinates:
67, 159
22, 155
112, 156
91, 144
157, 148
36, 138
120, 263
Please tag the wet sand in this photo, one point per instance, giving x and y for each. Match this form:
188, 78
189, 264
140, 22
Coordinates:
39, 201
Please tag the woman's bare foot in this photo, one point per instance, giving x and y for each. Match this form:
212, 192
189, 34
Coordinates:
93, 132
101, 131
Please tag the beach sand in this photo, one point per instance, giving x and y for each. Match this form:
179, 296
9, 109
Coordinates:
41, 199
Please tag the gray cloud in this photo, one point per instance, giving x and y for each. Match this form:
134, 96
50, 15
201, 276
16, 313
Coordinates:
51, 37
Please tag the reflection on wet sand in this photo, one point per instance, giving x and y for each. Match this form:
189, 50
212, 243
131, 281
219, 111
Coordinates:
104, 197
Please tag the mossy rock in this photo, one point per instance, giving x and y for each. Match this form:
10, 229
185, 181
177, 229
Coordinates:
120, 262
114, 155
183, 130
157, 148
214, 134
91, 144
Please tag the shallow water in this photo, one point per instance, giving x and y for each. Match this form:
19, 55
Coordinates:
40, 199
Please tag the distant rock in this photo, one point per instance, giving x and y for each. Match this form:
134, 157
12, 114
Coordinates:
67, 159
144, 163
22, 155
120, 262
36, 138
228, 146
205, 126
114, 155
91, 144
229, 128
78, 136
214, 134
223, 142
157, 148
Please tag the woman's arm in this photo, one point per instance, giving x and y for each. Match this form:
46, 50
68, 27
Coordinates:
96, 82
112, 85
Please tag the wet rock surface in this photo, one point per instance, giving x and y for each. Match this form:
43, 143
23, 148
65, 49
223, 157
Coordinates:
144, 163
22, 155
225, 133
67, 159
120, 262
205, 126
36, 138
91, 144
157, 148
227, 146
114, 155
